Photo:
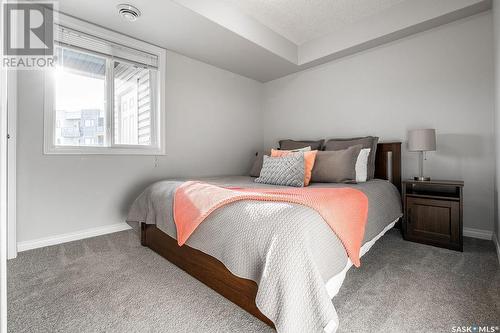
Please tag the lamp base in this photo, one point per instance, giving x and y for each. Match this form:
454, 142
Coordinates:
422, 179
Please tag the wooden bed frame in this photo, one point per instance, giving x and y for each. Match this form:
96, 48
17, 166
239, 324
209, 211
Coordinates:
214, 274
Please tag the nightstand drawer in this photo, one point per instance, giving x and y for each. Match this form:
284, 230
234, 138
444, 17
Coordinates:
432, 221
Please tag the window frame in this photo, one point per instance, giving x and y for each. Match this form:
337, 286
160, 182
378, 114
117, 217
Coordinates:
157, 146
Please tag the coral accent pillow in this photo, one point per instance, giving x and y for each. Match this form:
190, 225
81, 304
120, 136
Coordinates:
309, 158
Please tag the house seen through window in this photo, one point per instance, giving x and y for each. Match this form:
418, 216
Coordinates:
104, 94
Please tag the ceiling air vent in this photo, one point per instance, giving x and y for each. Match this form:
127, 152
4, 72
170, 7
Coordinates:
129, 12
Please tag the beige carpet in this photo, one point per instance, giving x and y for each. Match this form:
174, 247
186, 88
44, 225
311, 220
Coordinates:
112, 284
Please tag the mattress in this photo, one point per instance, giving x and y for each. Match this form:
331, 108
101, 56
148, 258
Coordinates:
298, 268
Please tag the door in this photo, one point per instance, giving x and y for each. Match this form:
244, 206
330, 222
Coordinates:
435, 222
11, 163
3, 199
128, 118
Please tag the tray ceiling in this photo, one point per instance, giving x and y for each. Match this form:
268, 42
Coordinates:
301, 21
268, 39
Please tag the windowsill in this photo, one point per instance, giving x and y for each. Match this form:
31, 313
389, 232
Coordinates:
134, 150
157, 82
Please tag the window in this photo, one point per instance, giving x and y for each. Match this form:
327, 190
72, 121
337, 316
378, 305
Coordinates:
102, 97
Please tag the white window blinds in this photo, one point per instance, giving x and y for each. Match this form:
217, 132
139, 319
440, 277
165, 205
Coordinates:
72, 38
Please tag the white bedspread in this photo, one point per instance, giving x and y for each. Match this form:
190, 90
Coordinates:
298, 268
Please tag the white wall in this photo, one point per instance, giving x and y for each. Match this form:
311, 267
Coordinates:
213, 126
441, 79
496, 28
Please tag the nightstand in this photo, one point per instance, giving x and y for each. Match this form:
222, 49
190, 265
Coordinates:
433, 212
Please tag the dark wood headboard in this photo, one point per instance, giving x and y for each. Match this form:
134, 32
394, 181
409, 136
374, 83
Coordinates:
388, 162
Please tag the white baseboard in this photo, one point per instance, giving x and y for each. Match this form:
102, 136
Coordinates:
478, 233
72, 236
87, 233
496, 241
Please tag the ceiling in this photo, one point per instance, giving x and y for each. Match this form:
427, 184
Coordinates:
301, 21
268, 39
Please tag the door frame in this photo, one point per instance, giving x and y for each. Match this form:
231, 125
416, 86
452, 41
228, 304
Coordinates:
11, 164
3, 198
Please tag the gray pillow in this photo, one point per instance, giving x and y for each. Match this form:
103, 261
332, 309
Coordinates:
257, 163
335, 166
292, 144
286, 170
365, 142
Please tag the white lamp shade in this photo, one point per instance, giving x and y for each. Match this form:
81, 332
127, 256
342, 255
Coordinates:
422, 140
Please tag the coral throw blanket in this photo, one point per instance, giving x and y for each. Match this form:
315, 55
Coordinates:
344, 209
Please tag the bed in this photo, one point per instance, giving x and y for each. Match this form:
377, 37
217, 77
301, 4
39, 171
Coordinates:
285, 276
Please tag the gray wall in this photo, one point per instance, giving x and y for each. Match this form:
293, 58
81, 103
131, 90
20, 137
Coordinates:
213, 125
215, 119
496, 27
441, 79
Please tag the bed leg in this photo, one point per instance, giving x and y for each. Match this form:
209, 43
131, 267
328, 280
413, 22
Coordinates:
143, 234
398, 224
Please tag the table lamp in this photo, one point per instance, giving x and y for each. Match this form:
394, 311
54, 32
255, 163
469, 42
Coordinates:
422, 140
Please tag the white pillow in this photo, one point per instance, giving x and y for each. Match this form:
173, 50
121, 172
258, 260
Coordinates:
308, 148
362, 165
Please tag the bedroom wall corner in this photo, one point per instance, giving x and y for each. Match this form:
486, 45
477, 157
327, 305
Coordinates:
496, 33
213, 126
441, 78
